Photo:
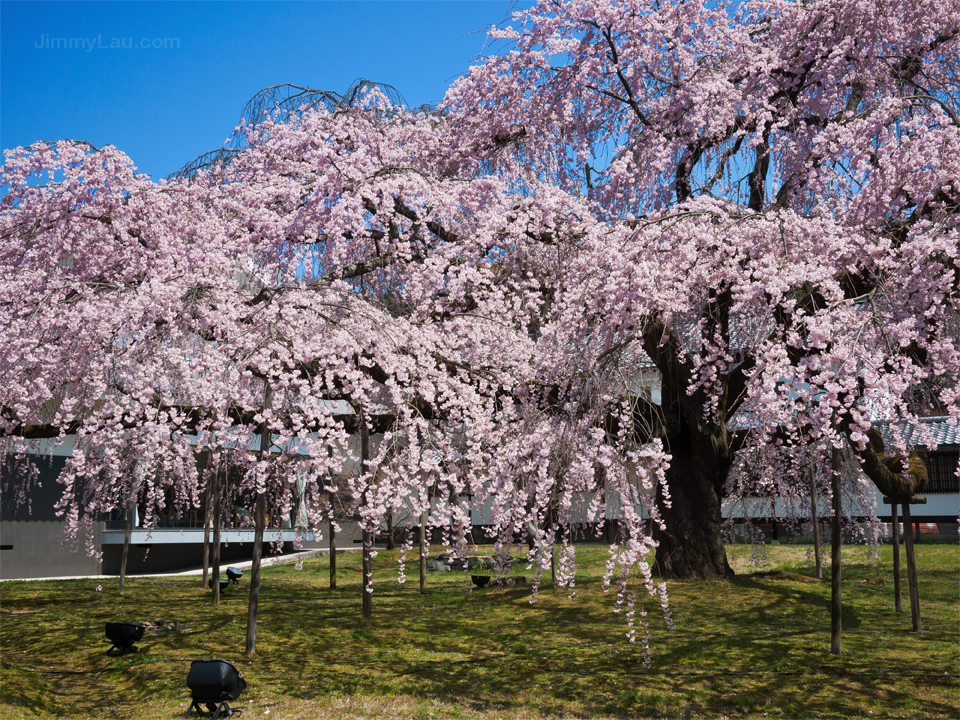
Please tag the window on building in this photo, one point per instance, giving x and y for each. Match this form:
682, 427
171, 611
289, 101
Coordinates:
942, 469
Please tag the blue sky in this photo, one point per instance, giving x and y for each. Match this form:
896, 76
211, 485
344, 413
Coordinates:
179, 90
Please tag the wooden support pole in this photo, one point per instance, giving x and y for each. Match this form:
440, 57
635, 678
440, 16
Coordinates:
423, 552
391, 543
131, 508
368, 536
912, 572
367, 575
553, 546
207, 521
815, 519
332, 532
836, 607
254, 605
261, 520
217, 520
908, 541
897, 595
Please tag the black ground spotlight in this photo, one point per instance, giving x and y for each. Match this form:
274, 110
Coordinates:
123, 636
234, 574
213, 683
224, 584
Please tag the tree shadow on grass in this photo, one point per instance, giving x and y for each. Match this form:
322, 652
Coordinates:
745, 646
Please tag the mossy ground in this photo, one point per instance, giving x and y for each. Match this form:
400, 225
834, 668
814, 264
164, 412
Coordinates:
757, 646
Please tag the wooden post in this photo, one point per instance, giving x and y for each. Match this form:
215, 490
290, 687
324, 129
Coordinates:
391, 543
254, 604
897, 595
331, 529
367, 535
207, 520
367, 574
217, 518
131, 506
332, 532
261, 519
836, 608
912, 571
815, 517
553, 546
423, 552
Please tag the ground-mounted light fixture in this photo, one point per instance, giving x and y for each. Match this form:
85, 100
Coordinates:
213, 683
234, 574
224, 584
123, 636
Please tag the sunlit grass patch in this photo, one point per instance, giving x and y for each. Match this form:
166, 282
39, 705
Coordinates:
755, 646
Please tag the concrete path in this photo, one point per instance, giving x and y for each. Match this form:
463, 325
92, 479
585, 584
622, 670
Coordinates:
267, 561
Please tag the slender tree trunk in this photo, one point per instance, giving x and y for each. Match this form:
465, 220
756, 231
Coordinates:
423, 552
912, 571
126, 542
391, 543
815, 517
254, 604
367, 575
367, 535
217, 520
691, 546
331, 530
836, 617
207, 519
897, 594
553, 546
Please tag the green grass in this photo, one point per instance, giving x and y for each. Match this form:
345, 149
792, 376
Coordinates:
753, 647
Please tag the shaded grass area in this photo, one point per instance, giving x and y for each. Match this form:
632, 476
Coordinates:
756, 646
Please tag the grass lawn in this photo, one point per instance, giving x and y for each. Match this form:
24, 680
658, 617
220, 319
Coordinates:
757, 646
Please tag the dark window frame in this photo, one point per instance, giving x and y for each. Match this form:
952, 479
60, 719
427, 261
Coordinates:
942, 472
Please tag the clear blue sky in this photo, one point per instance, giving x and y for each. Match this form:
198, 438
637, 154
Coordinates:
163, 106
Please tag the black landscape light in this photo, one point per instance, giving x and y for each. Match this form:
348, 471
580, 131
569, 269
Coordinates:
123, 636
213, 683
234, 574
224, 584
480, 580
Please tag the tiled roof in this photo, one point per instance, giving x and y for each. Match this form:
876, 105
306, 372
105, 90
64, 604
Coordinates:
745, 333
929, 431
940, 431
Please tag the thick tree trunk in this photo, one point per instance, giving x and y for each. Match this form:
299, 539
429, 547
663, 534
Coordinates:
691, 546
